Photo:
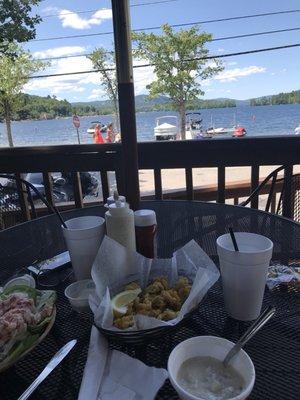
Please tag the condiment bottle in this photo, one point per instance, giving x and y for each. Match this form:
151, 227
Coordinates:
145, 232
120, 223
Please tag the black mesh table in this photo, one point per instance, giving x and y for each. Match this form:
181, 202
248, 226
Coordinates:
275, 351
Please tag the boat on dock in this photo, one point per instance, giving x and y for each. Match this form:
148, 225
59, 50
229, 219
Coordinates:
193, 126
165, 130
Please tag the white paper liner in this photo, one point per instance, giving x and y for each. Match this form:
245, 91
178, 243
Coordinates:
115, 267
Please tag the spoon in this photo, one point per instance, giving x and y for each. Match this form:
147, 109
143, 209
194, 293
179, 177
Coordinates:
251, 331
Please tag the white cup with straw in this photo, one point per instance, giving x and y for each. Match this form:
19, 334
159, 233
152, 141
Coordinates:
83, 236
244, 261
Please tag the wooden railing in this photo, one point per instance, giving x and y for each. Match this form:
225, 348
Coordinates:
220, 153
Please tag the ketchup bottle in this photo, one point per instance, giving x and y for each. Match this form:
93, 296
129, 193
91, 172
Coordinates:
145, 232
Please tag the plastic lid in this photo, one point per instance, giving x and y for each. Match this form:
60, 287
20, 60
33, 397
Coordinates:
144, 218
26, 280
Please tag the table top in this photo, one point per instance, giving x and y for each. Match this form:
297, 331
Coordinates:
275, 350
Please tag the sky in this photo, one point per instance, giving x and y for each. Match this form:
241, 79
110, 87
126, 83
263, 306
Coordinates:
243, 77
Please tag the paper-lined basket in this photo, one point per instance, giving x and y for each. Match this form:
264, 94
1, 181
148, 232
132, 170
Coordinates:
115, 267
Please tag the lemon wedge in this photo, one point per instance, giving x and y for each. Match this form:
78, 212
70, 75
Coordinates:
121, 300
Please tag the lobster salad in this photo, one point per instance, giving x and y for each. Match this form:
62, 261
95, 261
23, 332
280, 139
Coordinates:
25, 313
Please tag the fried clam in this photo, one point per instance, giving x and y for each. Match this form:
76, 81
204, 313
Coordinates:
184, 292
155, 288
157, 300
124, 322
167, 315
172, 299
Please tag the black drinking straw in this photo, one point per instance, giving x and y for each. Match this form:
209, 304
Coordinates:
233, 239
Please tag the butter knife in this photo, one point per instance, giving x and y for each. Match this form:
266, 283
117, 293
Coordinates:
53, 363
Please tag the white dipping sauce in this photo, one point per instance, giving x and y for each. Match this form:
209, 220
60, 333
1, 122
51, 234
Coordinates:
207, 378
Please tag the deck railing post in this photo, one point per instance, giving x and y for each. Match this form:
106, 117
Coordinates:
123, 51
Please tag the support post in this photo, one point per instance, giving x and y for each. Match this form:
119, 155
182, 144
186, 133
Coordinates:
123, 51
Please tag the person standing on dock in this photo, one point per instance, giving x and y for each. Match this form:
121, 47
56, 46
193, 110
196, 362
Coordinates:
97, 136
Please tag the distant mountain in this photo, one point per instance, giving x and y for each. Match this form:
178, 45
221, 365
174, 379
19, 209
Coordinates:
140, 100
143, 101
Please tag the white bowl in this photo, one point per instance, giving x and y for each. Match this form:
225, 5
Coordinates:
210, 346
78, 294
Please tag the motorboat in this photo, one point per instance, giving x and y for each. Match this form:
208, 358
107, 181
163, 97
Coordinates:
193, 126
220, 131
166, 130
91, 128
239, 131
297, 130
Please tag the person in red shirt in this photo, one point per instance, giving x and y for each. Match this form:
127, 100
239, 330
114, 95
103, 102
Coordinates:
97, 136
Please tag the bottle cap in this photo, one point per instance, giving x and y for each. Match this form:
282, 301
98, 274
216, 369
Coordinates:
111, 200
144, 218
118, 208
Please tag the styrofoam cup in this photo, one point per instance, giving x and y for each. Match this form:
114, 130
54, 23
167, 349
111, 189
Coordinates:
244, 273
83, 237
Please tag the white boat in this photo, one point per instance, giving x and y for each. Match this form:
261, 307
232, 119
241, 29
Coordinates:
297, 130
220, 131
165, 130
91, 128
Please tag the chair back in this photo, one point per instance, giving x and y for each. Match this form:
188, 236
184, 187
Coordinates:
287, 203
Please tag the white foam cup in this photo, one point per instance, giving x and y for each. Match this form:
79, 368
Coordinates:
244, 273
83, 237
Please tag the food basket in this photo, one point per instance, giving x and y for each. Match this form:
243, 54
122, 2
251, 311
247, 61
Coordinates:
115, 268
140, 337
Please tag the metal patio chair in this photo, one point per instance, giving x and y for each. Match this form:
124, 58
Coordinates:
287, 203
11, 206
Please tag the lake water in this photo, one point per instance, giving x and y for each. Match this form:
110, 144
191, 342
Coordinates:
263, 120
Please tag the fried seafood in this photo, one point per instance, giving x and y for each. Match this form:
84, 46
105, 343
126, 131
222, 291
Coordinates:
157, 300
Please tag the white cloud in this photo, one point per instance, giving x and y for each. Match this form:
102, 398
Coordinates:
230, 63
60, 84
220, 50
50, 9
97, 94
233, 74
142, 77
73, 20
59, 51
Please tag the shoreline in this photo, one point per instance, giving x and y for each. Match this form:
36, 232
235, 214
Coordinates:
154, 110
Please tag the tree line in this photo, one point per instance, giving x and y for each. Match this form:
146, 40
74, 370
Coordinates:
281, 98
31, 107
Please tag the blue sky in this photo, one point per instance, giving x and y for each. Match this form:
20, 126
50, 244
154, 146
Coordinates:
244, 76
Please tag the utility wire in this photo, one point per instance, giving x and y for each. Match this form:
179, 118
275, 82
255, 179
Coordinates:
173, 26
93, 11
213, 40
186, 60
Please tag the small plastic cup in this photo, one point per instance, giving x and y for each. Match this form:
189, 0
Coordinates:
244, 273
83, 237
78, 294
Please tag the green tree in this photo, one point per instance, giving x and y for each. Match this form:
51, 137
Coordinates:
178, 63
104, 62
16, 22
14, 74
